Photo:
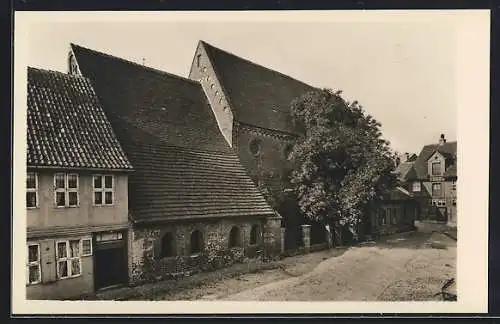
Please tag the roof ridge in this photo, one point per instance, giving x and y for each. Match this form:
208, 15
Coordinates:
151, 69
254, 63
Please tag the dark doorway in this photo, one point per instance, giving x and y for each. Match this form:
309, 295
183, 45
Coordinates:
111, 267
110, 259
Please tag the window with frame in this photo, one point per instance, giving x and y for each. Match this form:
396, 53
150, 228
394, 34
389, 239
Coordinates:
436, 168
66, 189
436, 189
104, 190
33, 269
416, 187
69, 262
32, 190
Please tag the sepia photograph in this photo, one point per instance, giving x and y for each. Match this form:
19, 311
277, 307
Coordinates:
260, 157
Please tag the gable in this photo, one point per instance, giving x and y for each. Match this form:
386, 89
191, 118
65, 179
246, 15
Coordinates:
259, 96
421, 164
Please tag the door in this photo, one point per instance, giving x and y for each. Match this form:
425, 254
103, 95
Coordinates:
110, 259
110, 267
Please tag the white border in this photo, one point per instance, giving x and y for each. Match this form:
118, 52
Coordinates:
472, 89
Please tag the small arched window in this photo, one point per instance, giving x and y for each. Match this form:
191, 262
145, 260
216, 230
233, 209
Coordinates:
167, 245
255, 147
196, 242
254, 234
234, 237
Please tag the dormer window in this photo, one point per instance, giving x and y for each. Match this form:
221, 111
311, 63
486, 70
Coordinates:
416, 186
436, 168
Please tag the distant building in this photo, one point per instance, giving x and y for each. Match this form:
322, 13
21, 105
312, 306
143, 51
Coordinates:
76, 190
192, 205
433, 181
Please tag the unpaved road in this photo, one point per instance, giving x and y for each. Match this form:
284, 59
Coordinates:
407, 267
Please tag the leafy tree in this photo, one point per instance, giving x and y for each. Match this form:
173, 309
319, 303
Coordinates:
343, 166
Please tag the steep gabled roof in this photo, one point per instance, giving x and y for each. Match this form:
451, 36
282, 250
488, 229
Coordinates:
448, 149
67, 127
184, 167
259, 96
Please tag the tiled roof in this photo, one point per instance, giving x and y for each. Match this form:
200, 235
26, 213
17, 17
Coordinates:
258, 95
173, 108
183, 166
448, 149
403, 169
66, 125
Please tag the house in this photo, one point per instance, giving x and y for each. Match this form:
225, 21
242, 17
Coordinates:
397, 213
252, 106
434, 181
76, 190
192, 205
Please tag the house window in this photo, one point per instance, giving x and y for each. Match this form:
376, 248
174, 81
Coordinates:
255, 147
66, 189
167, 246
196, 242
34, 274
86, 247
254, 233
454, 202
31, 190
454, 186
234, 237
69, 262
436, 168
104, 190
416, 186
436, 189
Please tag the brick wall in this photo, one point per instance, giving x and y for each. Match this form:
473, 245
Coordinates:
146, 262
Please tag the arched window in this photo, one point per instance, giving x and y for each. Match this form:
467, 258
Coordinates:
234, 237
255, 146
167, 245
254, 234
196, 242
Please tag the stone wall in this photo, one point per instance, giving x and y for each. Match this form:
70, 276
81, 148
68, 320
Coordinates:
147, 262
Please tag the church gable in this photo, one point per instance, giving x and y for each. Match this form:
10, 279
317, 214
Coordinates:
203, 71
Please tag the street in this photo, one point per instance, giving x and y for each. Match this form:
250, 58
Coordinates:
408, 266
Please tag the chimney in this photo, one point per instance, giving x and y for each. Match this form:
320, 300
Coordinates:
442, 139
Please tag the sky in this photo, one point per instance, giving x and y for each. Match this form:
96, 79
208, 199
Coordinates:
401, 71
